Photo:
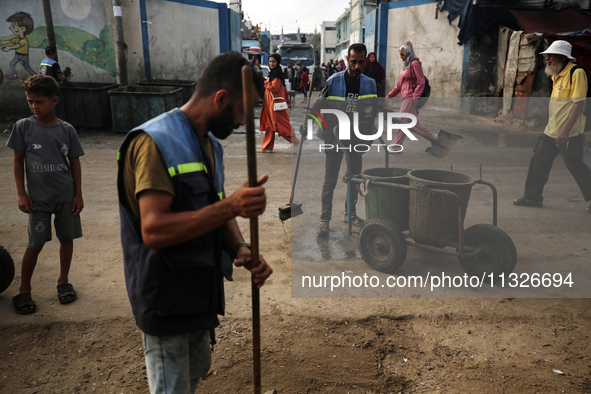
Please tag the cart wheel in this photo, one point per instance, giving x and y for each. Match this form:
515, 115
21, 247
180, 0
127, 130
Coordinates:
498, 251
382, 245
6, 269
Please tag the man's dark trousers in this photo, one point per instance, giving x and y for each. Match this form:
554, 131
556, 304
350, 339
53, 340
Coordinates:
331, 177
541, 164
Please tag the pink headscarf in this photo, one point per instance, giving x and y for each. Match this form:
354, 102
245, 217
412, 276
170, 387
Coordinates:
409, 52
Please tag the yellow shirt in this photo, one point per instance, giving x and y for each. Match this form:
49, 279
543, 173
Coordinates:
145, 169
23, 49
564, 96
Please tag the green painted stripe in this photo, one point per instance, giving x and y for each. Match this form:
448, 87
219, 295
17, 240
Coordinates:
336, 98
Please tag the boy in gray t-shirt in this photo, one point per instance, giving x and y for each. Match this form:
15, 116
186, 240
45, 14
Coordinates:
47, 149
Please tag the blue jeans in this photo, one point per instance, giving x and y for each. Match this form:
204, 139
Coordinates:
174, 363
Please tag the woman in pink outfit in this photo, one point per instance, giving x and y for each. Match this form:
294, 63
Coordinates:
410, 85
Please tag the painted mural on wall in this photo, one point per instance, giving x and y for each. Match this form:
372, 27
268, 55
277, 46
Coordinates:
83, 34
21, 25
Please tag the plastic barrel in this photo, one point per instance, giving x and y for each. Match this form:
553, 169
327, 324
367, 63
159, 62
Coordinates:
87, 104
187, 86
385, 202
133, 105
433, 218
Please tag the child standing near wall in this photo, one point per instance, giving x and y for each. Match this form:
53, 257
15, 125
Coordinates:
47, 149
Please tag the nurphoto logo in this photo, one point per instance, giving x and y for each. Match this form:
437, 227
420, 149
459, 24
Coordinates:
393, 122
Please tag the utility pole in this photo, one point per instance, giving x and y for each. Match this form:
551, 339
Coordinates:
120, 46
49, 25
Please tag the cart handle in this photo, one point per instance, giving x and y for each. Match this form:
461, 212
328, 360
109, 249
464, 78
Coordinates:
365, 190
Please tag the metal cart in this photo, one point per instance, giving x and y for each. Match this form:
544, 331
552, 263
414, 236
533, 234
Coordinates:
480, 249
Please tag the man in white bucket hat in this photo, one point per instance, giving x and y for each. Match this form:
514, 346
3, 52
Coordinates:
566, 125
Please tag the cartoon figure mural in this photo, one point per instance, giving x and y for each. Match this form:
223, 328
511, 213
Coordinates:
21, 25
81, 30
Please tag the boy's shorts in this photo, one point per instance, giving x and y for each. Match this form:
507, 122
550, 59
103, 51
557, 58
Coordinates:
67, 225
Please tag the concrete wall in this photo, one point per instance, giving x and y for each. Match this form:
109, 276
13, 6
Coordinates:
328, 39
434, 41
182, 38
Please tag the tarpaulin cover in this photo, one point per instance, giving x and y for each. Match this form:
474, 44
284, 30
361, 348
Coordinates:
548, 21
474, 20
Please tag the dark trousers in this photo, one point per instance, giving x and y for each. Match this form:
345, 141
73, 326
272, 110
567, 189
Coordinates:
541, 164
333, 161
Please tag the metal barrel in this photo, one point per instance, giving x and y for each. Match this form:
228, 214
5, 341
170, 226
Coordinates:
433, 217
383, 202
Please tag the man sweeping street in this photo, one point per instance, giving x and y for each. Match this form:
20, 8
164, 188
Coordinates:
177, 225
343, 90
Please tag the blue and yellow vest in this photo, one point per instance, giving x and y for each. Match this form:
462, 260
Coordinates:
336, 98
337, 89
46, 67
178, 289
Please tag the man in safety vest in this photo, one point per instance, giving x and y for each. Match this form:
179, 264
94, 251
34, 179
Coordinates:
344, 90
178, 225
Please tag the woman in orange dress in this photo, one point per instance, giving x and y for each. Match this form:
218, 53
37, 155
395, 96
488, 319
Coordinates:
272, 121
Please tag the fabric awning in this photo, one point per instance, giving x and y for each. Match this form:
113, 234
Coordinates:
548, 21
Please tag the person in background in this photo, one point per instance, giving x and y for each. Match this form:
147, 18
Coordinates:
289, 74
410, 85
330, 67
272, 121
50, 66
297, 76
565, 129
348, 91
48, 151
374, 70
305, 82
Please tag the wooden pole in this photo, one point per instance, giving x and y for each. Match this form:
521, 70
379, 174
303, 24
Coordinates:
120, 46
49, 32
247, 89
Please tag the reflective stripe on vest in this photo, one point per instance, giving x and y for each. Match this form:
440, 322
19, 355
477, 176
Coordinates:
337, 89
186, 168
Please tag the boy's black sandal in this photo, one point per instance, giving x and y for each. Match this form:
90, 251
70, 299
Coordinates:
66, 293
24, 304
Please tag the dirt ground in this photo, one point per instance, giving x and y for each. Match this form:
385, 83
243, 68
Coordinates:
309, 345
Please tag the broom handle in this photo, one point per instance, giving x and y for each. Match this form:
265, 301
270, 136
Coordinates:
295, 175
247, 89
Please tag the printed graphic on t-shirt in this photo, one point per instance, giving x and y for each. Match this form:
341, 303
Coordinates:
351, 102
